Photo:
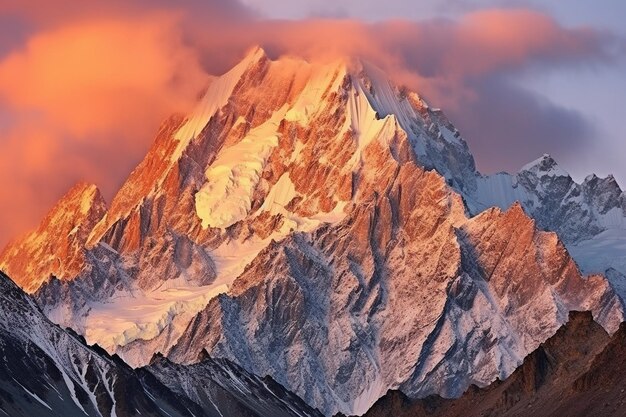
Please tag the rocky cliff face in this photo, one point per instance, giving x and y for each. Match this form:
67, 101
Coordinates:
392, 304
47, 371
577, 372
57, 248
225, 389
314, 223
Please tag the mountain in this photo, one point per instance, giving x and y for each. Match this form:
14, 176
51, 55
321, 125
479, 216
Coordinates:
318, 225
225, 389
57, 247
580, 371
49, 371
589, 217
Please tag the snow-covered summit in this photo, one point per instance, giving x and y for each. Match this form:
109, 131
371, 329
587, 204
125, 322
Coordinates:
545, 165
218, 92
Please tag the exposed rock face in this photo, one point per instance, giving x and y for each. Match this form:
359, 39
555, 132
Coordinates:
397, 305
312, 223
57, 247
579, 371
47, 371
225, 389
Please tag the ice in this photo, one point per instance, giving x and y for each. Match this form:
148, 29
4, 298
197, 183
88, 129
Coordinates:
72, 390
226, 197
384, 97
364, 121
605, 250
128, 317
322, 78
280, 195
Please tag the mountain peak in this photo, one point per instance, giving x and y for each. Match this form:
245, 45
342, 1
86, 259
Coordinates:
299, 185
254, 54
87, 194
545, 166
216, 97
81, 201
59, 241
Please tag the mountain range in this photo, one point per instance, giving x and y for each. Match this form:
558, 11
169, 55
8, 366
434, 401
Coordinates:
316, 226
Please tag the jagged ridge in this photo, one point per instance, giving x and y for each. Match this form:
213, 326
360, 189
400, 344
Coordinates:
579, 371
47, 371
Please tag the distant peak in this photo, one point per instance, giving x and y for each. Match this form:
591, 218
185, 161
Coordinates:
593, 177
608, 182
545, 165
216, 96
545, 159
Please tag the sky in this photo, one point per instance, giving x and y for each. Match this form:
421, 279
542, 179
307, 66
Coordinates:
85, 85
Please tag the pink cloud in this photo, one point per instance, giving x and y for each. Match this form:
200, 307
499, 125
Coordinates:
82, 101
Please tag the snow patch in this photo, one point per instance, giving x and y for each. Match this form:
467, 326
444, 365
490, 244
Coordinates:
322, 79
280, 195
226, 197
72, 390
128, 317
365, 122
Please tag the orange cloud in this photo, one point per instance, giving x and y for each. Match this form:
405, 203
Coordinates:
88, 76
83, 102
434, 56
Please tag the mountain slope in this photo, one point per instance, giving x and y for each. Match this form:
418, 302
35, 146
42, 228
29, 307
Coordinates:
56, 248
47, 371
316, 224
579, 371
223, 388
340, 321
